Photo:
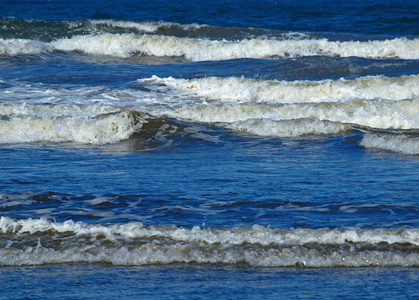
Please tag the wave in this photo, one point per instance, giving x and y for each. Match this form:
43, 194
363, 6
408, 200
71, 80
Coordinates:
197, 49
373, 101
145, 27
240, 89
13, 47
40, 241
59, 124
52, 30
288, 128
298, 108
100, 124
387, 107
402, 143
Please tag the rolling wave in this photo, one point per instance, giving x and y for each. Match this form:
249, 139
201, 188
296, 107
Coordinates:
240, 89
197, 49
28, 124
39, 241
385, 107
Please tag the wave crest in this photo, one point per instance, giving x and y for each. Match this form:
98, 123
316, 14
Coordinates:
47, 126
197, 49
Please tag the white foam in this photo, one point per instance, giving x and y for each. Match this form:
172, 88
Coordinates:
147, 27
81, 95
240, 89
288, 128
39, 241
128, 44
125, 45
260, 107
23, 46
281, 108
392, 142
60, 124
377, 114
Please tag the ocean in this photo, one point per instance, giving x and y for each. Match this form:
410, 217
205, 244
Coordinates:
199, 150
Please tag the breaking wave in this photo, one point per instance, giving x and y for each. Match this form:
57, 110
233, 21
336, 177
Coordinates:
402, 143
39, 241
94, 125
240, 89
200, 49
374, 104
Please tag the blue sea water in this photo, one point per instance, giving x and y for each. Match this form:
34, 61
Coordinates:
230, 149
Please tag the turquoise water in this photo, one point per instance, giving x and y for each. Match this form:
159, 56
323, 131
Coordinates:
253, 149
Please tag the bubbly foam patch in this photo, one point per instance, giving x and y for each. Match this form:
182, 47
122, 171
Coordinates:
39, 241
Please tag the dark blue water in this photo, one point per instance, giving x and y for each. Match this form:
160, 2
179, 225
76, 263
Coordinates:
232, 149
392, 17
